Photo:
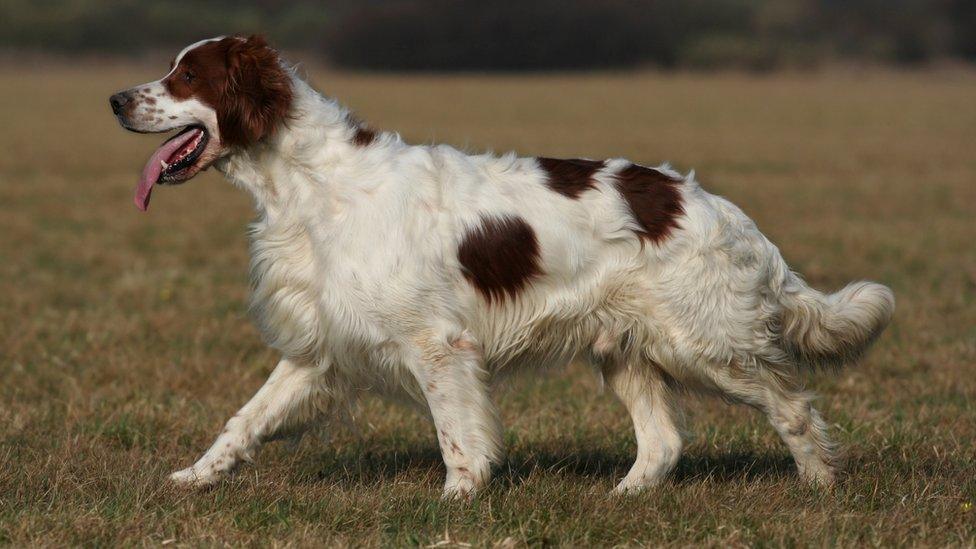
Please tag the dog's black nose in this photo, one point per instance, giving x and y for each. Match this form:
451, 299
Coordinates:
118, 101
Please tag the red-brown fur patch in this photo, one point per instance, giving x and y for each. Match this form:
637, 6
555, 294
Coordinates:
654, 198
570, 177
364, 136
500, 256
243, 80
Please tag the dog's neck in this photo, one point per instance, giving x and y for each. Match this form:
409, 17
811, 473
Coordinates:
298, 163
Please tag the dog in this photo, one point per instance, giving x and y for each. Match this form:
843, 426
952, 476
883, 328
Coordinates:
423, 271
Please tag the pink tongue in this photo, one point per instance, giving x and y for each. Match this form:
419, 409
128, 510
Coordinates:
153, 168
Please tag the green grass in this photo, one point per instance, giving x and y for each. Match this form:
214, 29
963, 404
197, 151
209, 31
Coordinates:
125, 342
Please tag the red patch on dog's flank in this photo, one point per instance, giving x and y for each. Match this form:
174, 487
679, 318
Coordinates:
500, 256
570, 177
654, 199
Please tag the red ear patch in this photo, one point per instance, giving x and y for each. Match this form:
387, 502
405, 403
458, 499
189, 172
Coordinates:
243, 80
257, 94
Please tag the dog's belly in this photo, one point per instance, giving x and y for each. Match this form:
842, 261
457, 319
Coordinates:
590, 314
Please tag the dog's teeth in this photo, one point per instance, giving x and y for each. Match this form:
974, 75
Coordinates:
163, 164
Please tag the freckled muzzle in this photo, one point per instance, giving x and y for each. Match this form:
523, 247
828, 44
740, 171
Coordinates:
125, 106
177, 159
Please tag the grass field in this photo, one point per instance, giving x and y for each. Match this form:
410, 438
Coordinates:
125, 342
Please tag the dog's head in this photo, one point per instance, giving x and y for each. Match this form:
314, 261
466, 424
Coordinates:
220, 94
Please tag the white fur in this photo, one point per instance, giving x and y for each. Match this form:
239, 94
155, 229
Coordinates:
357, 283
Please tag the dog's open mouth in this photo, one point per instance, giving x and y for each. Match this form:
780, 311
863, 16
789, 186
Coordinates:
174, 161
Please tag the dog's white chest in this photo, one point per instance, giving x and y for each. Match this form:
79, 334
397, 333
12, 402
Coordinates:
285, 289
315, 293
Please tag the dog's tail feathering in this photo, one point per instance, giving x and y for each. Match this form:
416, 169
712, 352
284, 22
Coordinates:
821, 330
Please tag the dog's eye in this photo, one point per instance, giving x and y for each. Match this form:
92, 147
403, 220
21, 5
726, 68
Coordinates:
188, 76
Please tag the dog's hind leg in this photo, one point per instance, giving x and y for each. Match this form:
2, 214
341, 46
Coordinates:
287, 401
451, 377
644, 392
790, 412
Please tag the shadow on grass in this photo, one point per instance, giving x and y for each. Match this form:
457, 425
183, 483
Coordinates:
601, 464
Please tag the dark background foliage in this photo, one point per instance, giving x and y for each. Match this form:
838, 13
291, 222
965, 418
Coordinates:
476, 35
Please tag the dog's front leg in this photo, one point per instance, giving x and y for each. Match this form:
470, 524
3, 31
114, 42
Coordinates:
451, 375
288, 400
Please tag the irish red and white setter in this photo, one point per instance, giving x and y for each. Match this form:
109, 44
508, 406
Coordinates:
425, 271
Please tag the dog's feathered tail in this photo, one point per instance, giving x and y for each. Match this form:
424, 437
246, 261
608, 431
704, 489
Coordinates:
821, 330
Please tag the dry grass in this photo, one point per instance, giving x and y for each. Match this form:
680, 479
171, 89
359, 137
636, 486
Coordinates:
124, 341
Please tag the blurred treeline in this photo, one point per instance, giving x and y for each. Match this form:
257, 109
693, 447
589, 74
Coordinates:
445, 35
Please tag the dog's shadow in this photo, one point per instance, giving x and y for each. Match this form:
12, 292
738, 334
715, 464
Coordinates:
603, 465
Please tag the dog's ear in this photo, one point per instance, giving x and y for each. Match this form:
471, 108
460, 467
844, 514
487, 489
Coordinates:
257, 94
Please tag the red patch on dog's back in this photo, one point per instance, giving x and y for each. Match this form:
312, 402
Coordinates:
570, 177
654, 198
363, 136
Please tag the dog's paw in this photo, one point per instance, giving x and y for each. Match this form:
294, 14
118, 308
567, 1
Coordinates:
193, 478
632, 486
461, 487
627, 489
459, 493
824, 476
